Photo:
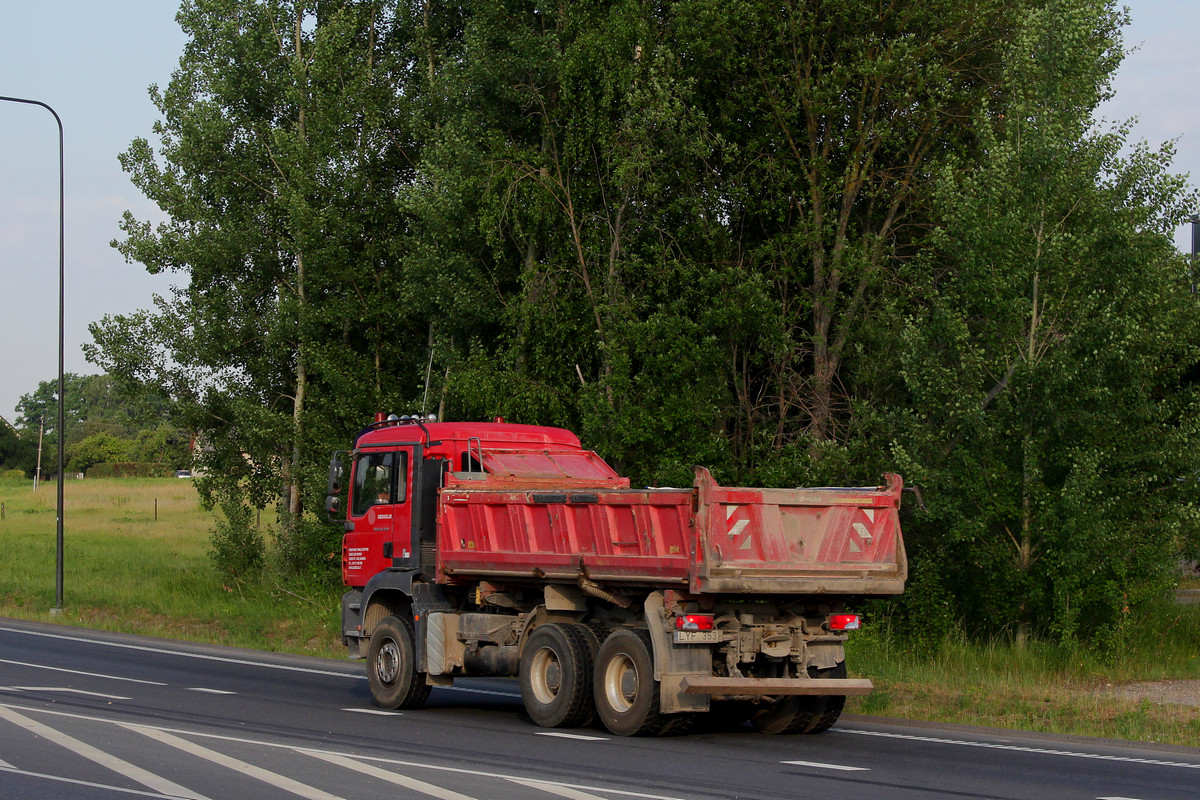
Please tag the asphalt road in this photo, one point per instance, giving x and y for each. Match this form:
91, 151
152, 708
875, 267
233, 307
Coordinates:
85, 714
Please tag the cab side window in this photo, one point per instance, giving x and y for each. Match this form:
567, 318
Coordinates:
372, 481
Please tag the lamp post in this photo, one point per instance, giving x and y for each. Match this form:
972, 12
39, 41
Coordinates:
58, 560
1195, 220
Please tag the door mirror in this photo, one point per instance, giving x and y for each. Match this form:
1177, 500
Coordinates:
333, 499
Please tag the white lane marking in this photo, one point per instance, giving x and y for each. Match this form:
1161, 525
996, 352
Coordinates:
5, 765
380, 759
580, 736
391, 777
559, 789
377, 711
819, 765
80, 672
469, 690
69, 690
244, 767
89, 784
1021, 749
222, 659
1116, 798
202, 690
117, 765
186, 654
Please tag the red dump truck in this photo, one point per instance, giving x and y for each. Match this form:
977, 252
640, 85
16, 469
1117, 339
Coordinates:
495, 549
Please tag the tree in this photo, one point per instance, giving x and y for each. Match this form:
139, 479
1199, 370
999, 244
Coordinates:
282, 147
40, 407
99, 448
1045, 364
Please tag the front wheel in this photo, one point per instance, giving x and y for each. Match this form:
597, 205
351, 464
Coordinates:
627, 696
391, 666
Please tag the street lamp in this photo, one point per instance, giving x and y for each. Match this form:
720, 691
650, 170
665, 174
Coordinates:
1195, 220
58, 560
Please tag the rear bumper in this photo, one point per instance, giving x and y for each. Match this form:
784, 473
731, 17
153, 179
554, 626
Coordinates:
775, 686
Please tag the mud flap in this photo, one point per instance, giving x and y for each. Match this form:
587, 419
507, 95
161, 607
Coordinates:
673, 664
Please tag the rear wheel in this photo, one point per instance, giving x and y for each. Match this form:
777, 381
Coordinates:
627, 695
391, 666
805, 713
820, 713
556, 676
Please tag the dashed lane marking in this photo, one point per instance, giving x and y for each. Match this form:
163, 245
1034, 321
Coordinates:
69, 690
376, 711
580, 736
81, 672
185, 654
106, 760
819, 765
203, 690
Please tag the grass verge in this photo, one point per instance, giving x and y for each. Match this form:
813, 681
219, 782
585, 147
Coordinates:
136, 560
1041, 687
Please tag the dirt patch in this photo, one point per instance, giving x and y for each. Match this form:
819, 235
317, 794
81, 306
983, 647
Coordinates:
1181, 693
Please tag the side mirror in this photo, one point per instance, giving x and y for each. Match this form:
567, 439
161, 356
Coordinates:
333, 500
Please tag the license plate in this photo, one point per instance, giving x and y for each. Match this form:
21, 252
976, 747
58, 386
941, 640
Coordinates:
697, 637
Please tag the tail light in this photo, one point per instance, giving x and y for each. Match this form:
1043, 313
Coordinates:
694, 622
844, 622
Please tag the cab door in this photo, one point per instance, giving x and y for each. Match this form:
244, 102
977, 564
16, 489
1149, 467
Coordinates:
379, 516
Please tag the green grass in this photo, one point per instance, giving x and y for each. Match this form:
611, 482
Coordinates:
127, 571
1041, 687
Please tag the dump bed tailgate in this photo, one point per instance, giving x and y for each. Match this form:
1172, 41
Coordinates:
798, 541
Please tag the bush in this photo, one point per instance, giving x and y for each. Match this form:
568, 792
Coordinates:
310, 547
130, 469
13, 476
237, 548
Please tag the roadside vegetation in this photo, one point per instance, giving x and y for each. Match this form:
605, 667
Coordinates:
126, 570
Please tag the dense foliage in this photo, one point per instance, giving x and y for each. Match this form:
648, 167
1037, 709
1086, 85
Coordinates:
104, 423
796, 242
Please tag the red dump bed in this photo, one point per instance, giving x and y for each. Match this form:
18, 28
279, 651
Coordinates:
558, 521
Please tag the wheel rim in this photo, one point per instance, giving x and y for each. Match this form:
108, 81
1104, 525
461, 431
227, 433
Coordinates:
387, 663
620, 683
545, 675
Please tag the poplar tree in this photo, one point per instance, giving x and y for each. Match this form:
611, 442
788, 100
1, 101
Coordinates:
1049, 356
281, 148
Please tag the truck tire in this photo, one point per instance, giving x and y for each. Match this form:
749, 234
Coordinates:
626, 692
556, 676
391, 666
803, 714
820, 713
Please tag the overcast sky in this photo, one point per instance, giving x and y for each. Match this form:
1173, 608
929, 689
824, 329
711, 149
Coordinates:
93, 63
